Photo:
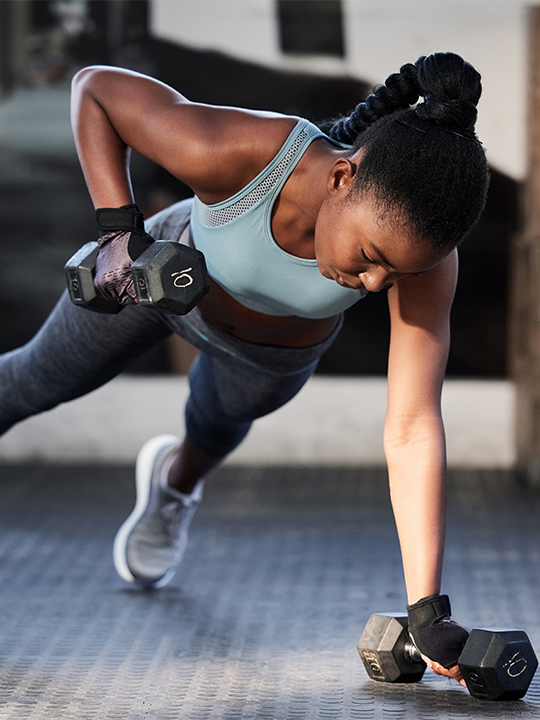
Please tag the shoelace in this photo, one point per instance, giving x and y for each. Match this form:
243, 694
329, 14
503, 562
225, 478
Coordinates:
172, 515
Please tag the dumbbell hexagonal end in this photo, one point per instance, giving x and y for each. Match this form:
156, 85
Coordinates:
384, 649
498, 664
80, 271
170, 277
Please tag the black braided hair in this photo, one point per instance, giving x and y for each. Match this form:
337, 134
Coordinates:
424, 162
399, 91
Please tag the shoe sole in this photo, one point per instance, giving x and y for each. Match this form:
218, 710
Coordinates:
143, 476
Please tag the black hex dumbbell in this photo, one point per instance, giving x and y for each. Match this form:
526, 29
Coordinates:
495, 664
168, 276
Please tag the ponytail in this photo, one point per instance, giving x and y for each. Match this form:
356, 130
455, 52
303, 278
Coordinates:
422, 161
399, 91
451, 89
450, 86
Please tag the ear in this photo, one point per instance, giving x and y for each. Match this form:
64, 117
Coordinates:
341, 176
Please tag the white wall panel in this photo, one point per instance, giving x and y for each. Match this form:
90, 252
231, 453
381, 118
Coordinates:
242, 28
332, 421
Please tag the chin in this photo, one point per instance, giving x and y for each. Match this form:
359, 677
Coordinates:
325, 273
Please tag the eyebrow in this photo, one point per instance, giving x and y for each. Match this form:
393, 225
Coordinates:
381, 255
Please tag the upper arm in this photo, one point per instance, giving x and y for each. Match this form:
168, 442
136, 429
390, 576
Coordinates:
419, 343
209, 148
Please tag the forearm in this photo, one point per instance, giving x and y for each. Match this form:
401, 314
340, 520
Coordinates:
417, 472
103, 155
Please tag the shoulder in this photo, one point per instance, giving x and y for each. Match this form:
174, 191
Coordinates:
230, 147
425, 301
420, 341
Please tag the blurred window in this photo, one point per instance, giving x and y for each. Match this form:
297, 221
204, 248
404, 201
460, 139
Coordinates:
42, 15
311, 27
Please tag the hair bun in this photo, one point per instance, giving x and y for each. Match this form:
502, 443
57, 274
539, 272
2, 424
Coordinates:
451, 88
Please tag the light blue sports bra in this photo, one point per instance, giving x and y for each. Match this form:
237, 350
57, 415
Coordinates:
242, 256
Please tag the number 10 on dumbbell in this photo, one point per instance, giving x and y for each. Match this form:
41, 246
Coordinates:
495, 664
168, 276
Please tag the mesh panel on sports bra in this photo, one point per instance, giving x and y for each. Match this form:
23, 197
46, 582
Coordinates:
222, 216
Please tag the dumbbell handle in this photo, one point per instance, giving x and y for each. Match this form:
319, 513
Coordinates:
411, 652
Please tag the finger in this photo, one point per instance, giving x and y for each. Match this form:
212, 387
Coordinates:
453, 672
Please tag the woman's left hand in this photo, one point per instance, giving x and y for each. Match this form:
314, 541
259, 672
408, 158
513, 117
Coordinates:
438, 669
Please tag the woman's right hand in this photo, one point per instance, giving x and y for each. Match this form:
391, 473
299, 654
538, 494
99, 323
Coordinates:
123, 239
118, 250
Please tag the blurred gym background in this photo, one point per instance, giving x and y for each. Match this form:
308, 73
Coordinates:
315, 58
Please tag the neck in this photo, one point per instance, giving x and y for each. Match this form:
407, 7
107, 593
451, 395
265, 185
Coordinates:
296, 210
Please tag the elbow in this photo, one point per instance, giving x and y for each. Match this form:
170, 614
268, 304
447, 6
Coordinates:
399, 432
82, 76
412, 432
415, 451
87, 78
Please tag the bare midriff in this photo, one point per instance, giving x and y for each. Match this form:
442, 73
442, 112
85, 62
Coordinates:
226, 313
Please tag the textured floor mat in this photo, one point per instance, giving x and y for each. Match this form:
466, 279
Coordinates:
283, 569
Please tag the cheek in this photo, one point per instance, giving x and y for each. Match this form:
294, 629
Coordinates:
322, 238
321, 255
335, 242
327, 233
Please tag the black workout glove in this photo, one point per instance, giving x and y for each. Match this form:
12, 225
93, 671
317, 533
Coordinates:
433, 632
123, 239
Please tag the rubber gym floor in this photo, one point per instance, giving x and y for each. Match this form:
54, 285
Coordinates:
283, 569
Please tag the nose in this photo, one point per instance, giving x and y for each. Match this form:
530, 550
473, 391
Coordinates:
374, 279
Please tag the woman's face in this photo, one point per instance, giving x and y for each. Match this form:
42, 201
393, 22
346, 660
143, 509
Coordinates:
357, 247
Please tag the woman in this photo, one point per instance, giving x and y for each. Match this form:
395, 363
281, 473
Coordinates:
296, 226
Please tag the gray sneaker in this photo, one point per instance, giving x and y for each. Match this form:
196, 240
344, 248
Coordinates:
151, 543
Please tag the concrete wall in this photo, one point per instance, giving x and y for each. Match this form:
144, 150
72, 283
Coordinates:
333, 421
381, 35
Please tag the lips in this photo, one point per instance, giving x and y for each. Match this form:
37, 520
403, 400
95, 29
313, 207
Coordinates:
341, 281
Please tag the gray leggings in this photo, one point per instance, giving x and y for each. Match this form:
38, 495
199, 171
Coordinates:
232, 381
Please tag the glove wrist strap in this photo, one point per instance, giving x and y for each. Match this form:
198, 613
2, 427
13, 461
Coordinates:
127, 218
429, 609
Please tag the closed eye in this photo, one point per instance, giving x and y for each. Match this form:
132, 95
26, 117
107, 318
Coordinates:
369, 260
